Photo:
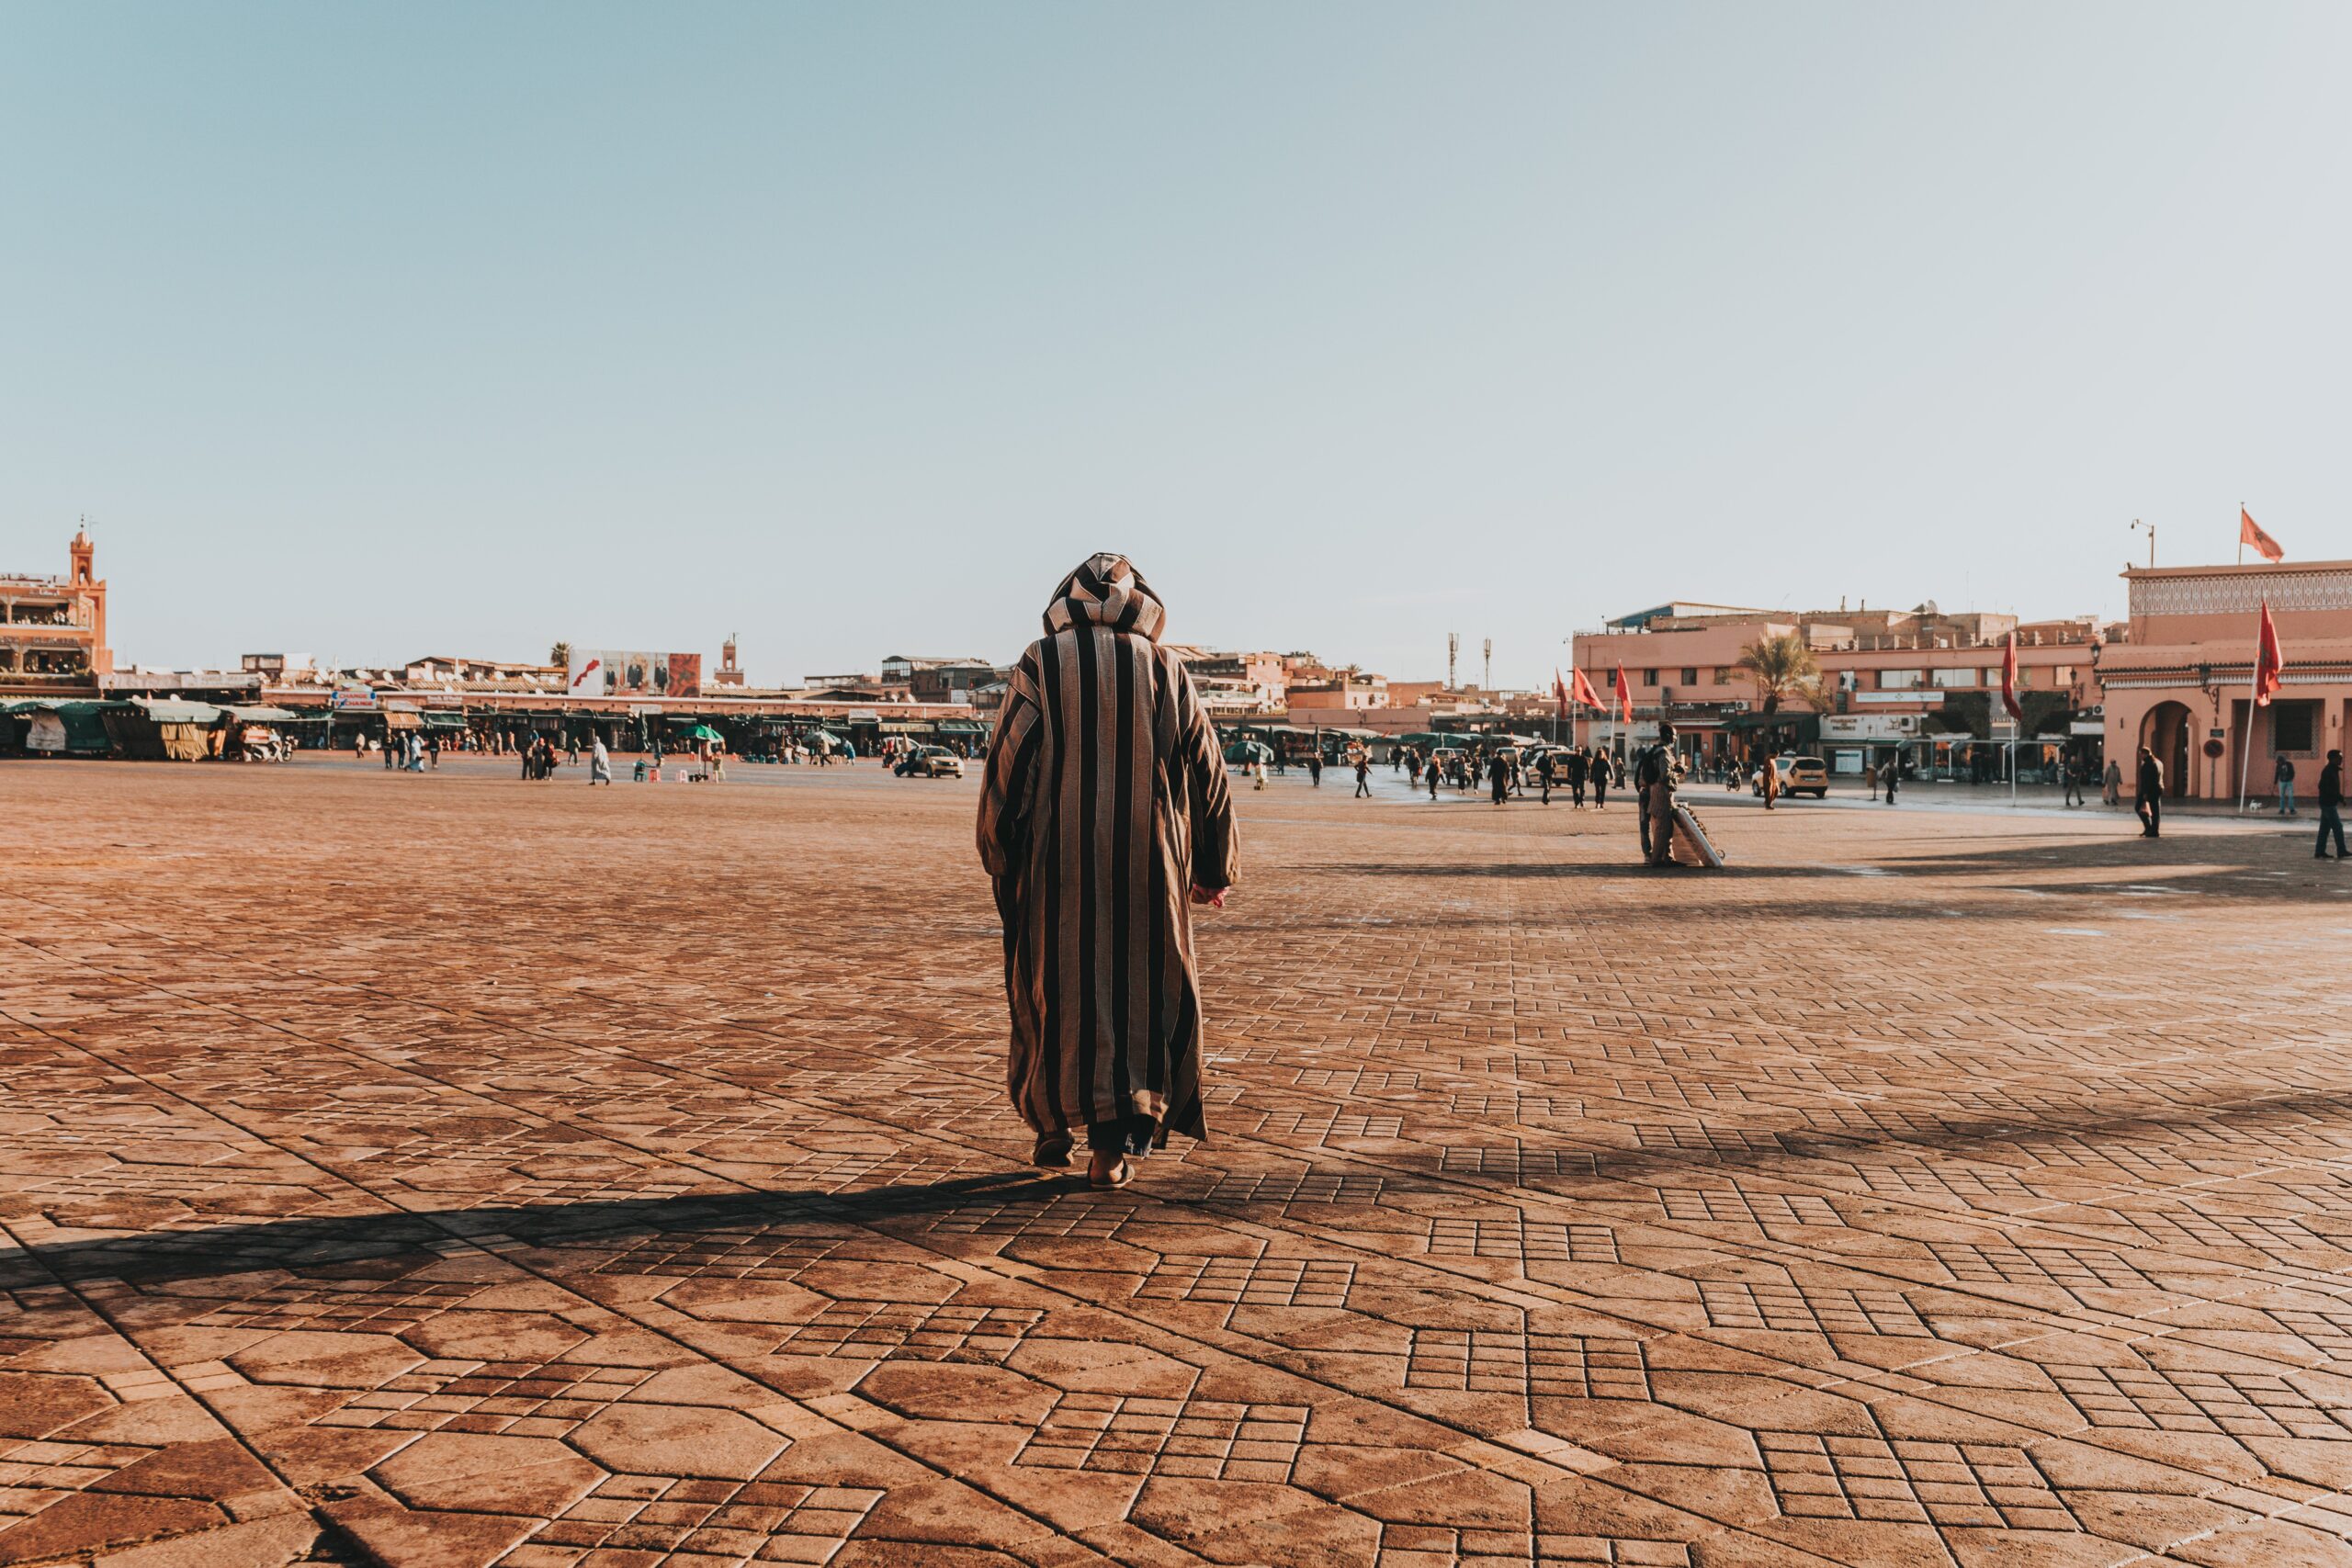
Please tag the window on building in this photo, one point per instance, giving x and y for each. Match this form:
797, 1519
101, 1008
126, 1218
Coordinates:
2062, 675
1649, 677
1954, 677
1689, 676
1722, 675
1897, 680
2291, 726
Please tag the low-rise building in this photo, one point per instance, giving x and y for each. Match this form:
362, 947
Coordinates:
2181, 684
1233, 685
53, 629
936, 680
1350, 690
1919, 683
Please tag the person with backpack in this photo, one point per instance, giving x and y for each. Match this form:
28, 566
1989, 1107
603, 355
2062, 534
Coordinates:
1655, 774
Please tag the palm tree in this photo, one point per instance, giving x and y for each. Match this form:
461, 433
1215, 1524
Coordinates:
1784, 666
560, 655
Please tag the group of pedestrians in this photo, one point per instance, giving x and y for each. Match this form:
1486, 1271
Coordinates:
408, 752
1506, 770
2148, 798
1574, 769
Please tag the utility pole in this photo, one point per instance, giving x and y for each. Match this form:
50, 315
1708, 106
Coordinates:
2150, 528
1452, 647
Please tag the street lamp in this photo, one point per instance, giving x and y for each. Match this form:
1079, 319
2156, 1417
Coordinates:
2150, 528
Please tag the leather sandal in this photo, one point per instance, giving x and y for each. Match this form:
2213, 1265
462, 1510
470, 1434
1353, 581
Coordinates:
1122, 1171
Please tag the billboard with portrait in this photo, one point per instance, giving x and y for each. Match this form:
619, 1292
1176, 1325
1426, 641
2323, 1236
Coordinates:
624, 673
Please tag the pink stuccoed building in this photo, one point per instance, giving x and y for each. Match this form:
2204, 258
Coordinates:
1921, 683
2180, 685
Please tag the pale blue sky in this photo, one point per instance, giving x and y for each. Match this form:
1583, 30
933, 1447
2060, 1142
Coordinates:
375, 331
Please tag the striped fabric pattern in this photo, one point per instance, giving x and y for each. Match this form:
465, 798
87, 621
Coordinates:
1103, 802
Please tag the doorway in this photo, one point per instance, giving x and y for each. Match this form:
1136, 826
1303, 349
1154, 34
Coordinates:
2166, 733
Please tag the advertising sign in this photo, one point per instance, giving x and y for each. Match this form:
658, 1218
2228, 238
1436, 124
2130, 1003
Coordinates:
617, 672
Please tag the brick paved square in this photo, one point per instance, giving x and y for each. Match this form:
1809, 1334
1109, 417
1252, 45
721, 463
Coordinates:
400, 1168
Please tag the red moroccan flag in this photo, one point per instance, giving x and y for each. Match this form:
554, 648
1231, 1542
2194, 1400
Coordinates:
1559, 691
2009, 683
2268, 661
2250, 533
1582, 693
1625, 697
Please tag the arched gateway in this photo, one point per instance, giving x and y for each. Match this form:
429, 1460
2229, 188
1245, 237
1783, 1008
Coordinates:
2166, 731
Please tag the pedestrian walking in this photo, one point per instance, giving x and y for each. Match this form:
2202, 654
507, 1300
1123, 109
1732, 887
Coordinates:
1893, 776
1769, 776
1499, 777
432, 751
600, 763
1578, 762
1601, 769
2330, 803
1315, 769
2282, 773
1433, 778
1099, 971
2147, 794
1363, 776
2112, 790
1870, 777
2071, 767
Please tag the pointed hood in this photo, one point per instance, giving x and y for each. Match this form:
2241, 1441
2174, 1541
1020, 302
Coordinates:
1105, 591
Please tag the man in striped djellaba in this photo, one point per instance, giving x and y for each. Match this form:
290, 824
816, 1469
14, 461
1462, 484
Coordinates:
1103, 815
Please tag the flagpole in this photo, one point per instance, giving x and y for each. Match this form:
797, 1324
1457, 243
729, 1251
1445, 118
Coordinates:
2244, 755
2241, 550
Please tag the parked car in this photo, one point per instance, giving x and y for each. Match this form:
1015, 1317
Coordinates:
1799, 775
931, 762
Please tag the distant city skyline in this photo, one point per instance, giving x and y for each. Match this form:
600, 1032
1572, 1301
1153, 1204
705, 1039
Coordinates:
372, 333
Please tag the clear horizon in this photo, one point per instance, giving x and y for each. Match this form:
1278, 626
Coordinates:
370, 333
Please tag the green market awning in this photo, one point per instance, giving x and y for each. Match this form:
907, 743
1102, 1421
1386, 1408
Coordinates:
700, 732
169, 712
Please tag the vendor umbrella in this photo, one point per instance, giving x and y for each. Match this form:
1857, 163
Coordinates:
700, 732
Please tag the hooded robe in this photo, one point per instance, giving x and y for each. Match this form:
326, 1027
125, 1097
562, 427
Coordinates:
1104, 803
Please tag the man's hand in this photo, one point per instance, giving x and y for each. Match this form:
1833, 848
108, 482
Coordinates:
1214, 898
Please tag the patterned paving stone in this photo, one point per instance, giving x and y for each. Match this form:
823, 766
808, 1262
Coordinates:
1554, 1212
